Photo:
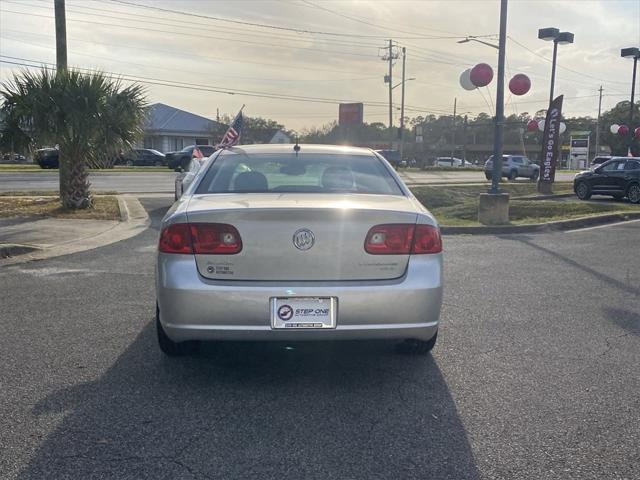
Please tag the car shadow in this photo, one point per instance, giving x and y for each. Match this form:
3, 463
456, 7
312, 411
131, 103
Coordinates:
627, 320
257, 410
623, 286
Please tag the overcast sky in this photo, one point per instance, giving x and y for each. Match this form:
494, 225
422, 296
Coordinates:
341, 61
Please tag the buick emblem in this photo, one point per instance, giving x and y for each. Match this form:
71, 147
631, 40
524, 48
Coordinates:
303, 239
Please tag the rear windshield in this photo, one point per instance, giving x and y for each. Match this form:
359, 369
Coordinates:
288, 173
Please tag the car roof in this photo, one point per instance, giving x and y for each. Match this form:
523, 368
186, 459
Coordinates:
284, 148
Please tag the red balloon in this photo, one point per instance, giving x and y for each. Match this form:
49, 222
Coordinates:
532, 126
623, 130
519, 84
637, 132
481, 75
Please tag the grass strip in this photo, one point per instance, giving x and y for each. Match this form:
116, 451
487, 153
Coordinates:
105, 207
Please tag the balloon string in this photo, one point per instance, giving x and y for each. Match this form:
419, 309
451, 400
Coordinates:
483, 98
493, 107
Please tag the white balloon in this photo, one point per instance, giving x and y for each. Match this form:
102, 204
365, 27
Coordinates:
563, 127
541, 125
465, 80
614, 128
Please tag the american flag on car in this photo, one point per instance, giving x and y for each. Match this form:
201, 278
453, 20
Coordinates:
232, 137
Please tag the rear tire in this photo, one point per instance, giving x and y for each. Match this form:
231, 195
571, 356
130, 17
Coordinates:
513, 174
583, 191
129, 163
488, 176
633, 193
534, 176
413, 346
168, 346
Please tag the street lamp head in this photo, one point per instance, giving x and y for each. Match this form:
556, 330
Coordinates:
632, 52
564, 38
548, 34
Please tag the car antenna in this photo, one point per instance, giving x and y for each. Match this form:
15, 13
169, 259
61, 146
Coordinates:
296, 147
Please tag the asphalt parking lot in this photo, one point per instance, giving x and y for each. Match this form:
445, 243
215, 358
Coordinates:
535, 375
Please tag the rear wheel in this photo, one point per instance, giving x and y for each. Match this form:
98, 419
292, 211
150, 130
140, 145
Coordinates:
129, 163
168, 346
513, 174
583, 191
488, 176
633, 193
534, 176
413, 346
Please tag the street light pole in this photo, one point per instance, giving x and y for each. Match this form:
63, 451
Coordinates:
499, 120
633, 52
391, 94
61, 35
553, 70
404, 59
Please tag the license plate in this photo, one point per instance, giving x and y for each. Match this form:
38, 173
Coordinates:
303, 312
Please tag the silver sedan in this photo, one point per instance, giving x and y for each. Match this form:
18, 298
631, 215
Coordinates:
305, 242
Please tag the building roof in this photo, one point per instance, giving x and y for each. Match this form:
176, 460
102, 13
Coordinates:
164, 118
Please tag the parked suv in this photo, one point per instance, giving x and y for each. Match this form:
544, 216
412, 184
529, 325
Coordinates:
619, 178
514, 166
46, 157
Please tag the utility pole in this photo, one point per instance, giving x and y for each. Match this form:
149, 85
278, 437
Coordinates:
499, 120
597, 126
404, 59
61, 35
390, 56
453, 130
391, 93
464, 139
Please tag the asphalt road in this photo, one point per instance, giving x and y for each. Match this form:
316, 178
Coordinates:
535, 376
162, 182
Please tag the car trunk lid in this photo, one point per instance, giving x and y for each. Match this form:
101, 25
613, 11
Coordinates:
301, 237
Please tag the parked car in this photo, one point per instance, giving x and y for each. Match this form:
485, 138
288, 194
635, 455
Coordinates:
182, 158
452, 162
186, 177
599, 160
13, 158
391, 156
143, 157
319, 243
514, 166
46, 157
618, 177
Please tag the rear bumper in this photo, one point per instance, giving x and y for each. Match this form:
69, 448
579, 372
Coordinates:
194, 308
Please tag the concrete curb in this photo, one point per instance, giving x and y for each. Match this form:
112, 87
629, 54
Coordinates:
581, 222
134, 221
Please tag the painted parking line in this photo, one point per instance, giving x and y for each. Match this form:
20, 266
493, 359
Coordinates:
626, 222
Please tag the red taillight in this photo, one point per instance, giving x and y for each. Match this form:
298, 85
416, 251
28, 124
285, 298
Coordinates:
176, 238
391, 239
200, 238
427, 239
402, 239
215, 238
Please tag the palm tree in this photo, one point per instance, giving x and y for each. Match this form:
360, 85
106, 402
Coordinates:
88, 115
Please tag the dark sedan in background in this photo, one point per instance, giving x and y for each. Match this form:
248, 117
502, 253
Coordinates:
142, 157
182, 158
618, 177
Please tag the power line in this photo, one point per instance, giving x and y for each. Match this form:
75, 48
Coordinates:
158, 67
147, 19
209, 88
582, 74
199, 35
182, 54
253, 24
